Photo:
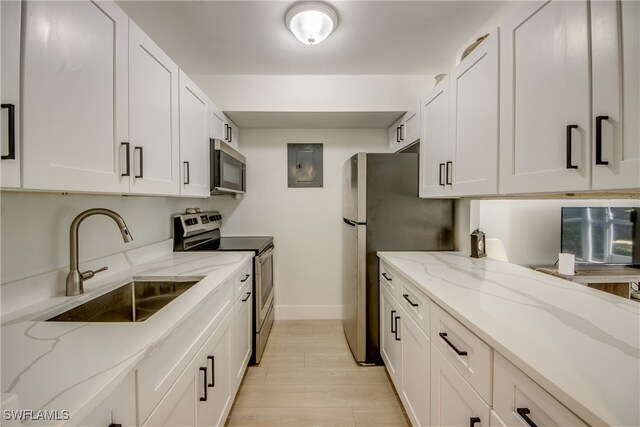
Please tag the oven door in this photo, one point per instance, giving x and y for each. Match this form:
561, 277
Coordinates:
264, 286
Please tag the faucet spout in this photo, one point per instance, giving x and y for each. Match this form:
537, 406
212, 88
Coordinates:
74, 278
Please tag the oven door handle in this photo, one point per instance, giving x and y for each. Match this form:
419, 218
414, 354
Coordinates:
266, 254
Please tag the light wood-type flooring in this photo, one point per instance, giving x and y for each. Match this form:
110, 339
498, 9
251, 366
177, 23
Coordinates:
307, 377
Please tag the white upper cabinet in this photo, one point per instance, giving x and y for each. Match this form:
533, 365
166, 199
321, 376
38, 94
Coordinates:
544, 79
217, 123
154, 131
434, 142
10, 13
194, 139
75, 93
405, 131
615, 70
472, 167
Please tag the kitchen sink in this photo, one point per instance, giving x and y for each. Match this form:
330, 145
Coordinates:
135, 301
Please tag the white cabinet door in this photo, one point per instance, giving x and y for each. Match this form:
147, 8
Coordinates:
415, 372
473, 139
410, 128
453, 401
153, 103
615, 50
213, 410
118, 408
10, 13
75, 96
434, 141
544, 81
217, 123
394, 136
390, 345
179, 406
233, 133
194, 139
241, 339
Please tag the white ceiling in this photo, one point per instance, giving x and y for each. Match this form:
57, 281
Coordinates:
373, 37
314, 120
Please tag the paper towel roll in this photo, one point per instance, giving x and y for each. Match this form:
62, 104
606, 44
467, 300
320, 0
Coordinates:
566, 264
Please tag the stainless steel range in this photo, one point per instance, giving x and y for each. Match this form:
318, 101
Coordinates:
201, 232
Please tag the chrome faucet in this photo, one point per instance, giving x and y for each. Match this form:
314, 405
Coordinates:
75, 278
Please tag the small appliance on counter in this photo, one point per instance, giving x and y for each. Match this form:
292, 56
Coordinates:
200, 231
478, 245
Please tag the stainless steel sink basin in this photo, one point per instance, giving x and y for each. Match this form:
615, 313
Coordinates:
132, 302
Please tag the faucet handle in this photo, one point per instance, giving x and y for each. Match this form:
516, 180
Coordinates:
90, 273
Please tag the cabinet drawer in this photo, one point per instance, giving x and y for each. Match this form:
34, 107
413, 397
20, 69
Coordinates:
416, 304
243, 279
391, 280
453, 401
167, 361
517, 397
471, 356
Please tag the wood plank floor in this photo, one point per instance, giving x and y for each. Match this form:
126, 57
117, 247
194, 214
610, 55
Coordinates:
307, 377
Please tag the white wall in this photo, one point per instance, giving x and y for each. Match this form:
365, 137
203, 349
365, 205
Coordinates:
315, 93
305, 222
530, 229
35, 227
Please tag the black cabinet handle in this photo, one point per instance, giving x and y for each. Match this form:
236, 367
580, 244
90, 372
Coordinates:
186, 168
599, 160
230, 134
213, 371
443, 335
473, 421
448, 174
128, 161
396, 331
524, 412
398, 134
406, 296
393, 317
441, 174
11, 132
569, 165
402, 132
115, 425
247, 298
141, 162
387, 277
204, 384
245, 278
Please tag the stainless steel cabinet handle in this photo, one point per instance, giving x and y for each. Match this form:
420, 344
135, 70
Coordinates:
128, 159
11, 132
204, 383
186, 170
443, 335
406, 296
141, 164
213, 372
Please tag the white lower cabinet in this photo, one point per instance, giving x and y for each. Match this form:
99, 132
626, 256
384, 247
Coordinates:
390, 347
453, 400
241, 326
416, 349
520, 401
201, 395
117, 409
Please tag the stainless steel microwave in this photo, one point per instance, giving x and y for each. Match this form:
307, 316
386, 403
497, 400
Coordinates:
228, 169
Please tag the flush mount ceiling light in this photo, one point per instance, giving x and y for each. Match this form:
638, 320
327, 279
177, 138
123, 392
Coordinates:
311, 21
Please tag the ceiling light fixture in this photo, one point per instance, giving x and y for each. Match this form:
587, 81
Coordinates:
311, 21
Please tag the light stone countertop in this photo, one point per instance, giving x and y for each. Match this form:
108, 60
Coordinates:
75, 365
580, 344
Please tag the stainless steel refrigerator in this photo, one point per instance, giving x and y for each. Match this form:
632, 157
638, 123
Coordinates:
382, 212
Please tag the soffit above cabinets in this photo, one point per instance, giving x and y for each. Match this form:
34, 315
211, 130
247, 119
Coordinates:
373, 37
314, 120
